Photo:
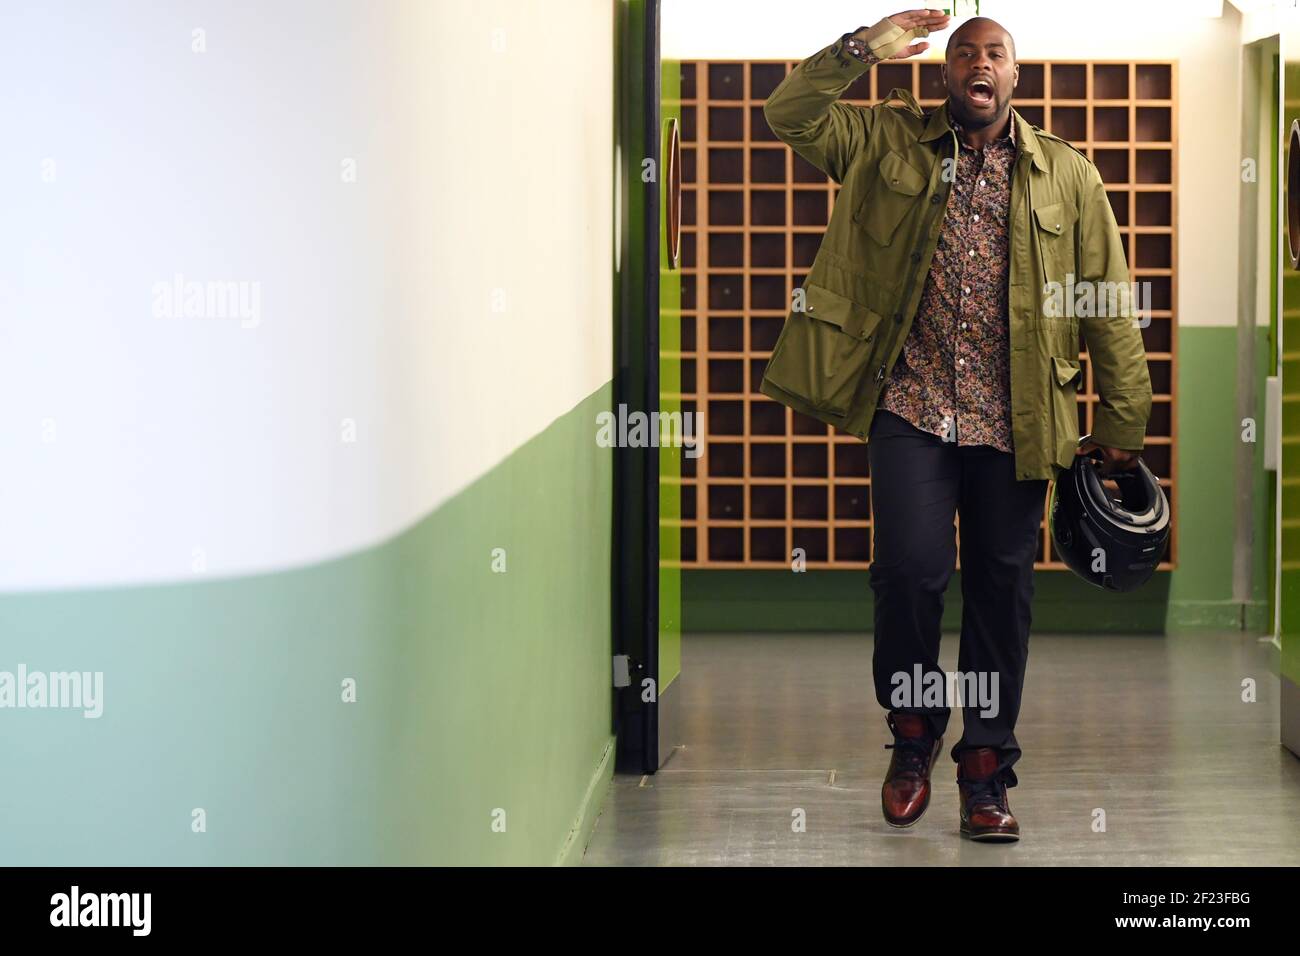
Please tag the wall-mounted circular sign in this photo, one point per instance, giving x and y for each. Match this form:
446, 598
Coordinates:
673, 194
1293, 195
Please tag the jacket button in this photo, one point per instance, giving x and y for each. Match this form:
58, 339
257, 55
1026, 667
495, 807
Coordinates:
898, 316
934, 200
916, 257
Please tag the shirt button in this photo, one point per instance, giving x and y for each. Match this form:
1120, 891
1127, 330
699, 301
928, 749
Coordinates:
972, 253
966, 290
961, 361
963, 325
981, 182
977, 217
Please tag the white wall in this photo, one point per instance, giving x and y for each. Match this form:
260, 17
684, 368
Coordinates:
1209, 91
482, 134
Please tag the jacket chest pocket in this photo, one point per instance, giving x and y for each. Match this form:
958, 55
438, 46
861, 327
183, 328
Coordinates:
891, 194
1054, 226
823, 353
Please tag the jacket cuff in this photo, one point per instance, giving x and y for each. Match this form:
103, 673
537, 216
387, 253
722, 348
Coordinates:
858, 48
835, 67
1114, 435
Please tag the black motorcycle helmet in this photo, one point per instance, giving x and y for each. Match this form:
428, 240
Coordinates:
1130, 532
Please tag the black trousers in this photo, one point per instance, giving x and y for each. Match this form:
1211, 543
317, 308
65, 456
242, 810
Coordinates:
919, 482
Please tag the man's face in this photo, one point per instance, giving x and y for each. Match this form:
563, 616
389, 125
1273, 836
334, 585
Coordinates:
980, 73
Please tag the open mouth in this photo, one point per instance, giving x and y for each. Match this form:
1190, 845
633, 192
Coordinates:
980, 92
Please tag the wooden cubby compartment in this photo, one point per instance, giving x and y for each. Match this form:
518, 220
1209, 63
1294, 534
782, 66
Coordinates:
771, 480
1068, 122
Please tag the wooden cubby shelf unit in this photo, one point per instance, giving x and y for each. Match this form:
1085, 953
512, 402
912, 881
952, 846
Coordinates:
771, 480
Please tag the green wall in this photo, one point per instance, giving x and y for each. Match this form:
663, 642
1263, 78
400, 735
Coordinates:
670, 387
1289, 595
475, 691
1289, 585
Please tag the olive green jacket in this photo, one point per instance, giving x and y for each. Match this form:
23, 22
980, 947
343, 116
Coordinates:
846, 328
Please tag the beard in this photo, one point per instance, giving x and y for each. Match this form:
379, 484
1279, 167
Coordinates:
972, 119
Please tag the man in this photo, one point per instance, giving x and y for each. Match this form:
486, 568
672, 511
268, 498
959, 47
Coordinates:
930, 326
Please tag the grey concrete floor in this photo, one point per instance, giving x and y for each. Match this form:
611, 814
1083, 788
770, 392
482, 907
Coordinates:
1150, 730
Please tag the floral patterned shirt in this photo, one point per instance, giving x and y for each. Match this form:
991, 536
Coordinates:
954, 377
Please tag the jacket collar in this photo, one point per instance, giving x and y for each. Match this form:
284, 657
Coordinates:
938, 125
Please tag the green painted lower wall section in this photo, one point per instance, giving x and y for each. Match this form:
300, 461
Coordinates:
670, 386
1289, 586
727, 600
1209, 431
1197, 594
477, 692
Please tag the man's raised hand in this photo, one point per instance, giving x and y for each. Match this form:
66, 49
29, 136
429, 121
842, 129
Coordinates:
891, 38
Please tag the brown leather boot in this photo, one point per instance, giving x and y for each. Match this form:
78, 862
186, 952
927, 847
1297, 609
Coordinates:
906, 791
985, 814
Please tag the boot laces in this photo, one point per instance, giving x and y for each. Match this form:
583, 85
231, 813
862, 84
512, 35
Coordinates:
989, 792
913, 753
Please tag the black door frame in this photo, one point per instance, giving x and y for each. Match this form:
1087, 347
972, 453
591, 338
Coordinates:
635, 559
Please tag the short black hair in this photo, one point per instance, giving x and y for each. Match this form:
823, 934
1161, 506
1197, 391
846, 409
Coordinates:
955, 39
